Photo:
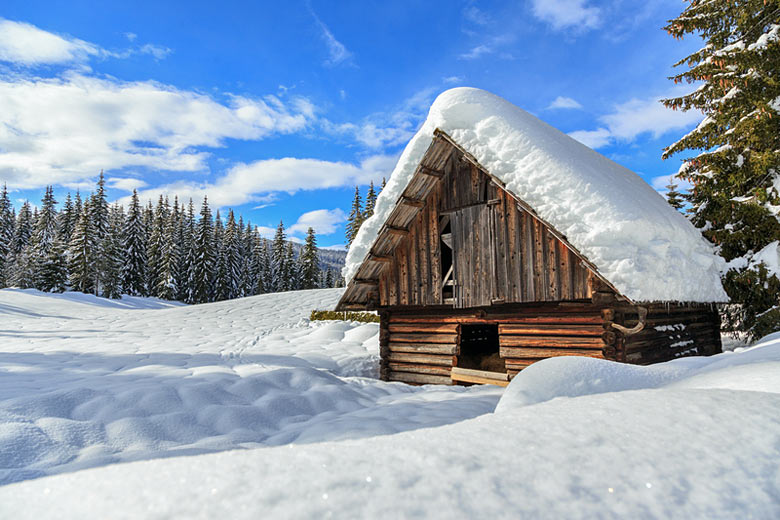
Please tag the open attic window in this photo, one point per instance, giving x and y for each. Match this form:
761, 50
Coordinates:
447, 279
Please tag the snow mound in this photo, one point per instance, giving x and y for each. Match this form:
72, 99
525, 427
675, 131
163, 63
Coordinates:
649, 251
754, 369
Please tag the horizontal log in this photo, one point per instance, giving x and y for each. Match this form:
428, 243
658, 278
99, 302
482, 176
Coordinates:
421, 359
420, 379
466, 378
423, 338
425, 328
516, 364
551, 341
535, 319
396, 230
424, 348
543, 353
460, 371
551, 329
419, 369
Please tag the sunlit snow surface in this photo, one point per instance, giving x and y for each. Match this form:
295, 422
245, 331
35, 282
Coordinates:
278, 422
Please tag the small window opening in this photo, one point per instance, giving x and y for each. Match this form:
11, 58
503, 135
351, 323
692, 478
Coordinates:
479, 348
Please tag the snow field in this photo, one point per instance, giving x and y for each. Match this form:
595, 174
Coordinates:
86, 381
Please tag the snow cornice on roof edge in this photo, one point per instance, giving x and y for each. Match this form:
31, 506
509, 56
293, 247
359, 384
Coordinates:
645, 248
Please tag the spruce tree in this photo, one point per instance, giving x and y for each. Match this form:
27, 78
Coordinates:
24, 229
52, 271
187, 261
370, 202
43, 236
355, 218
231, 260
278, 261
82, 251
134, 249
155, 247
259, 263
66, 220
6, 236
310, 264
674, 197
169, 277
291, 274
112, 254
220, 276
734, 168
204, 262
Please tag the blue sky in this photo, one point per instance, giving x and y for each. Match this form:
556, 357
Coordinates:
278, 109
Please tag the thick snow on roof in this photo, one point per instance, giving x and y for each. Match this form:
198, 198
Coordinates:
645, 248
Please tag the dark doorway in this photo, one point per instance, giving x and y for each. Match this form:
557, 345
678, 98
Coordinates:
479, 348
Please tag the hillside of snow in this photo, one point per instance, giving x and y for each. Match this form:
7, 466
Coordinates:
244, 408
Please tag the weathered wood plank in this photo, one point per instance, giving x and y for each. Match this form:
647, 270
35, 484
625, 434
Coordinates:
544, 353
420, 358
423, 338
425, 328
424, 348
551, 341
548, 330
421, 379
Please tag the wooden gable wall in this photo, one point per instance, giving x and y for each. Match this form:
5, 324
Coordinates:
501, 253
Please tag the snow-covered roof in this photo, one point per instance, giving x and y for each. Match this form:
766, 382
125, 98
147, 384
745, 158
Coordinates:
643, 246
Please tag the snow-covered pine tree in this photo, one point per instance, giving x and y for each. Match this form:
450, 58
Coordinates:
6, 236
370, 201
82, 251
155, 247
292, 269
355, 218
169, 278
78, 207
22, 268
329, 278
735, 192
99, 208
187, 262
44, 233
52, 271
112, 254
66, 220
204, 262
278, 268
310, 263
231, 260
259, 263
674, 197
246, 283
134, 250
24, 229
220, 281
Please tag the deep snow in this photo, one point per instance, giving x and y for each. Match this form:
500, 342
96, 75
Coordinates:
278, 419
648, 250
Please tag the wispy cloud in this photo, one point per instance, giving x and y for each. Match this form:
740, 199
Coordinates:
565, 14
562, 102
24, 44
60, 130
338, 54
452, 80
323, 221
476, 16
636, 117
253, 182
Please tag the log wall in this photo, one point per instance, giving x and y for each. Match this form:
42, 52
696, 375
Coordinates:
421, 346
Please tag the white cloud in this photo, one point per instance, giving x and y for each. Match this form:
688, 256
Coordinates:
131, 36
660, 183
323, 221
55, 131
338, 54
125, 183
563, 14
451, 80
476, 52
157, 51
476, 16
564, 102
493, 45
252, 182
636, 117
25, 44
593, 138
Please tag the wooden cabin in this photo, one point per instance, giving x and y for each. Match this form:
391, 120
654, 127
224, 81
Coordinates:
472, 286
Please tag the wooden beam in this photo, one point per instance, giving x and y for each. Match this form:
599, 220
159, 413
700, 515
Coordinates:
379, 258
431, 172
412, 202
396, 230
467, 375
365, 281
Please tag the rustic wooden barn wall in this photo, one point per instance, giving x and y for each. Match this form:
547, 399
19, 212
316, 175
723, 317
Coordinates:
502, 254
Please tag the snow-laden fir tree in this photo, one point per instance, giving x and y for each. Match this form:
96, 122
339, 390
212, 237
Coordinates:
82, 253
156, 245
6, 236
52, 271
44, 233
99, 209
310, 263
329, 278
291, 269
674, 197
112, 254
355, 218
169, 278
23, 230
734, 170
231, 259
66, 220
220, 277
204, 265
187, 260
259, 263
246, 282
278, 261
370, 202
22, 270
78, 207
134, 250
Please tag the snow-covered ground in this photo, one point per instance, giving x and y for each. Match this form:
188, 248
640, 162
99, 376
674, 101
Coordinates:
280, 417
